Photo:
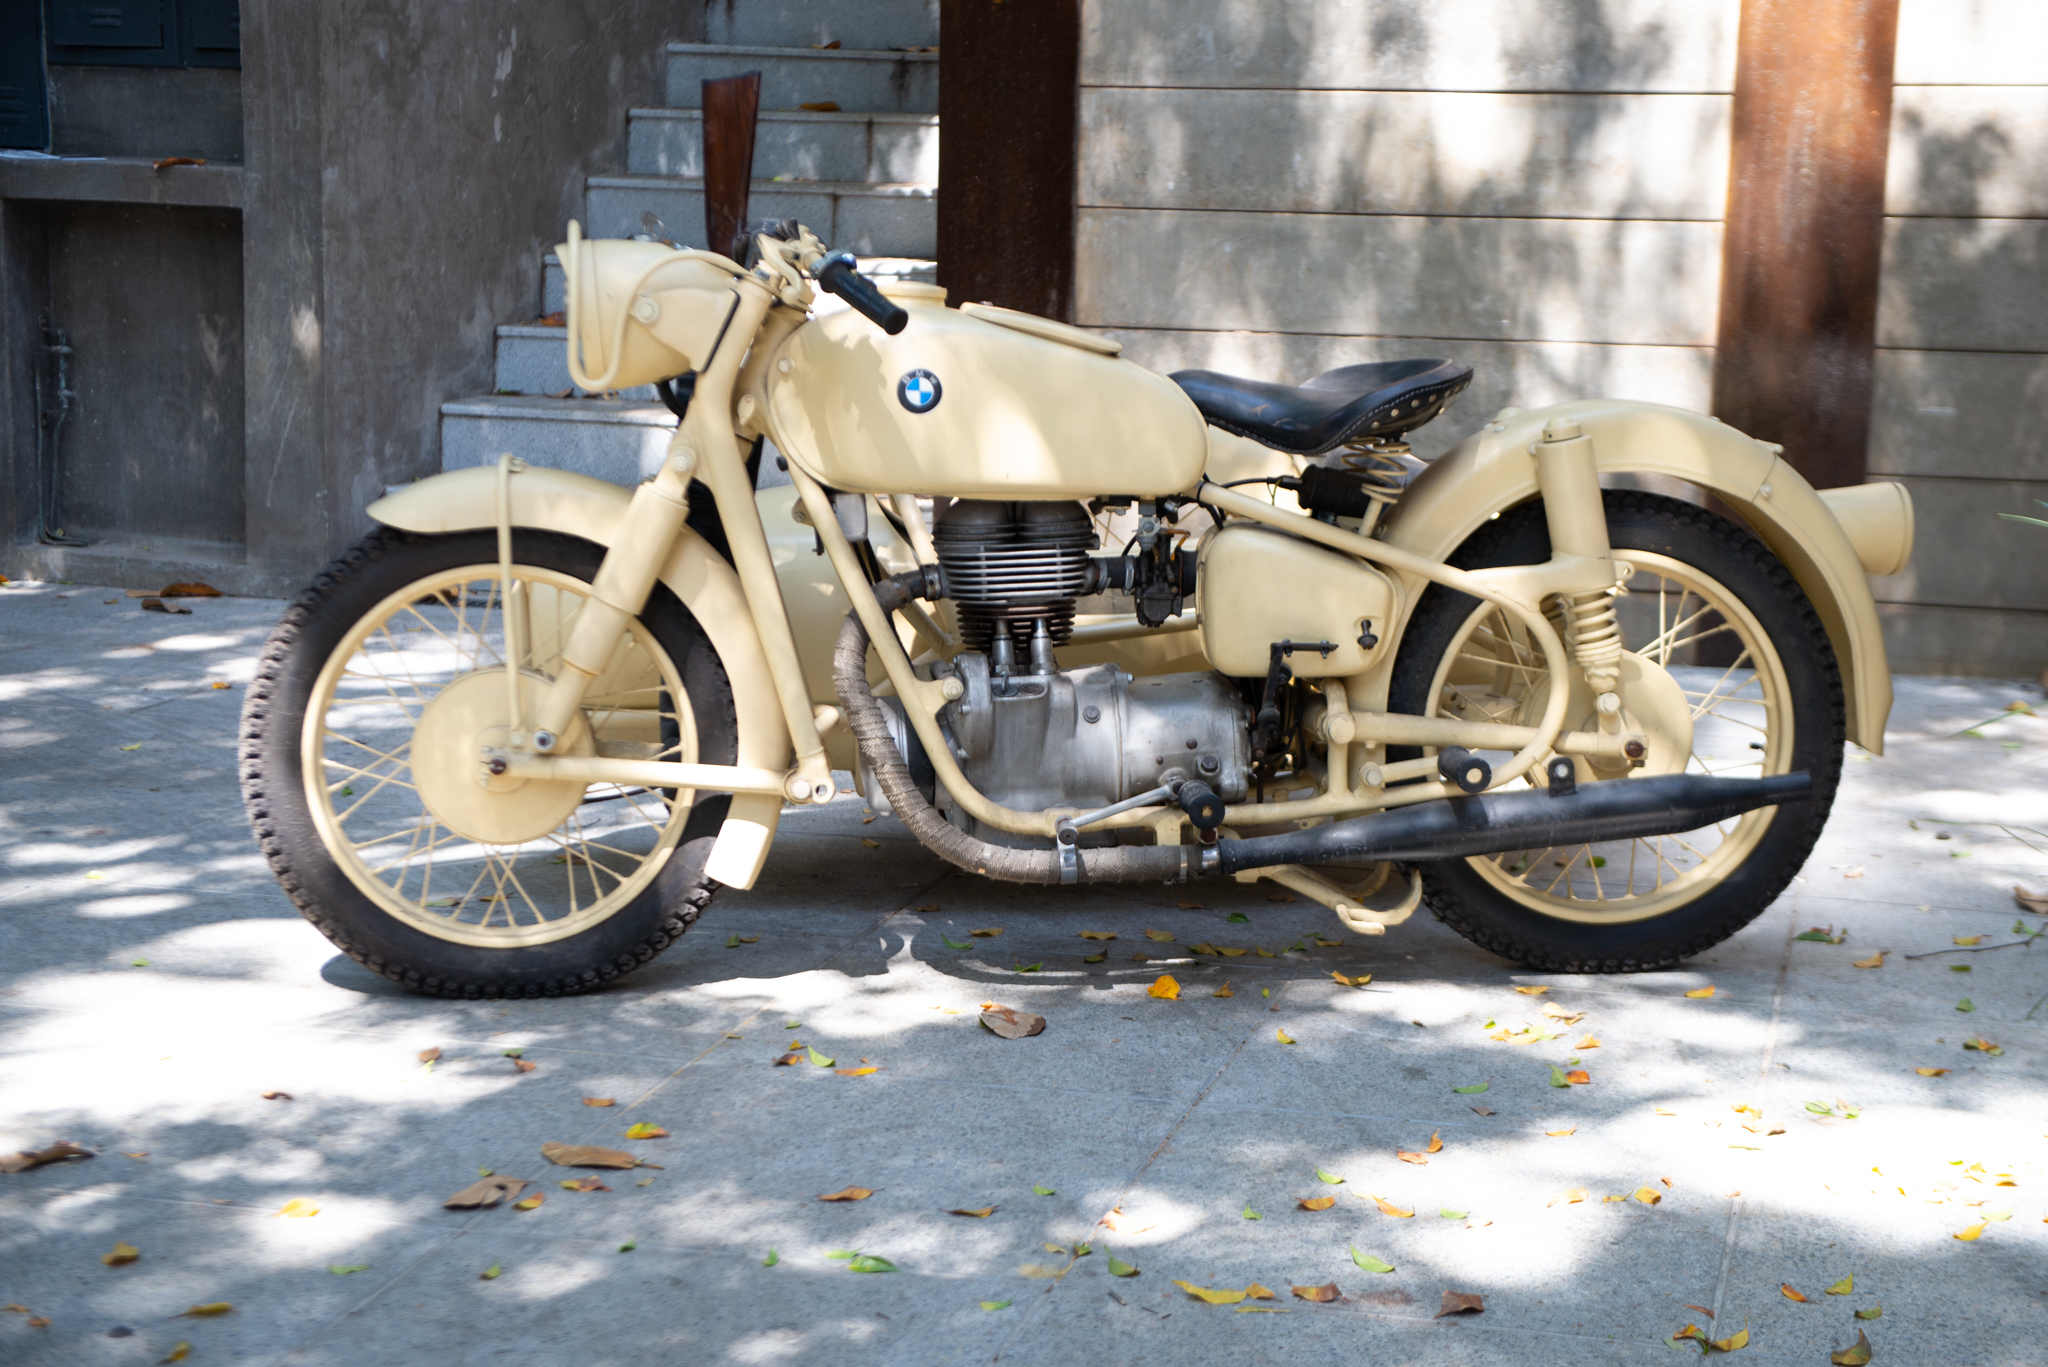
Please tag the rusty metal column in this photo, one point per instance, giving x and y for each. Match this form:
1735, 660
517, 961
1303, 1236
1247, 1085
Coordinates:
1805, 231
1009, 84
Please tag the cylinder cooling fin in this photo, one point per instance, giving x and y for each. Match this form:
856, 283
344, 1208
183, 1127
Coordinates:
1013, 565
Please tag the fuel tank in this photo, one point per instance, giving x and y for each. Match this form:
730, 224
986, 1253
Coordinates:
977, 403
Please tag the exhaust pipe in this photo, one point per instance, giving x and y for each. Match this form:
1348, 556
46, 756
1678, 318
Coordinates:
1459, 827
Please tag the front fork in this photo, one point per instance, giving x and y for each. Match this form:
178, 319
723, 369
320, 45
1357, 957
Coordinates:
704, 447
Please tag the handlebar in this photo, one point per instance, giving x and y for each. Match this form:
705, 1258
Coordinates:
838, 274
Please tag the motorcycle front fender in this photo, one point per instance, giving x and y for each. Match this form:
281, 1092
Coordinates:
577, 505
1493, 470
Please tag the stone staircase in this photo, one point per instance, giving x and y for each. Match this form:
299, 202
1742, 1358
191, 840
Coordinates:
848, 143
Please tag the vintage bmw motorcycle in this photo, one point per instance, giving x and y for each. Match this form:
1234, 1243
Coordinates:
1070, 621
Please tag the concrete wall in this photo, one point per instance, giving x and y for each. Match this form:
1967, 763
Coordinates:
1534, 187
1962, 366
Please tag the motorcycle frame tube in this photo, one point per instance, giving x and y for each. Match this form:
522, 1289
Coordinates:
1389, 728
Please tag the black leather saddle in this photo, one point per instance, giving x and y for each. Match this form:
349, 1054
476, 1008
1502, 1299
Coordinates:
1377, 399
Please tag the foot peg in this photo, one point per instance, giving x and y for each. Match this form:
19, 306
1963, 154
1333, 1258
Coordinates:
1460, 766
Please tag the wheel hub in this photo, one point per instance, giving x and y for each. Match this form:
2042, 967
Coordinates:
1652, 705
466, 720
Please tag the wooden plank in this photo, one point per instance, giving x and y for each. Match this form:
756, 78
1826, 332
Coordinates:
1805, 233
1009, 76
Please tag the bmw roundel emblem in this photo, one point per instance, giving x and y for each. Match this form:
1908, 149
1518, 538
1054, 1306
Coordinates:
919, 391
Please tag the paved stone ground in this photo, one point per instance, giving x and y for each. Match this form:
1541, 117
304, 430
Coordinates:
154, 982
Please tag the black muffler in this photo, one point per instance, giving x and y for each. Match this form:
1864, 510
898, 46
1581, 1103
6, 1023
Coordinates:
1459, 827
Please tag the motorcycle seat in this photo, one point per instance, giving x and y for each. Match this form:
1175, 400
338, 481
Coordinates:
1376, 399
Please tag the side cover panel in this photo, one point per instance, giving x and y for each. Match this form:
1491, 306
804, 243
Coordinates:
992, 412
558, 501
1492, 470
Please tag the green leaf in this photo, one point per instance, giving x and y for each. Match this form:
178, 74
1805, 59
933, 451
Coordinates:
485, 1172
514, 1053
343, 1269
1994, 1214
1265, 992
1238, 918
1119, 1268
1043, 1191
489, 1274
629, 1246
1557, 1077
1449, 1214
1820, 1108
1296, 945
732, 942
1251, 1214
1817, 936
1847, 1285
844, 1253
995, 1305
1333, 1181
817, 1058
1083, 1250
1599, 861
869, 1262
792, 1025
1473, 1090
1096, 958
1966, 1005
1959, 968
1029, 968
772, 1258
1368, 1262
952, 943
140, 963
1875, 1312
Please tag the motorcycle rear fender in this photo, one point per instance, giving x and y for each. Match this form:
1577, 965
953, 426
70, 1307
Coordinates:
1493, 470
577, 505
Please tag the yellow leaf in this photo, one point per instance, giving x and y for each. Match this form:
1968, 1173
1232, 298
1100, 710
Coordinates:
1610, 1200
1360, 981
1855, 1355
1738, 1339
1389, 1208
849, 1194
1163, 936
1284, 1037
1098, 935
1317, 1202
1746, 1109
1166, 989
178, 1353
1560, 1134
1569, 1198
1969, 1235
1230, 953
206, 1312
298, 1208
123, 1253
1532, 991
1407, 1156
1325, 1293
532, 1202
1436, 1143
1932, 1072
1790, 1294
1203, 1293
1587, 1043
645, 1130
1968, 939
220, 683
1874, 961
988, 934
1706, 991
871, 844
1255, 1292
1260, 1310
1578, 1077
856, 1072
981, 1213
599, 1101
1844, 1287
1649, 1196
1223, 991
1192, 906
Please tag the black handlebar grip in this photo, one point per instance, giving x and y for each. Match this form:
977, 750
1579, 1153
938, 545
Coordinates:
837, 275
1202, 804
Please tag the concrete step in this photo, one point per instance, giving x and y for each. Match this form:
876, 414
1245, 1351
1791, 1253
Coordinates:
799, 23
533, 358
881, 148
854, 79
621, 440
854, 216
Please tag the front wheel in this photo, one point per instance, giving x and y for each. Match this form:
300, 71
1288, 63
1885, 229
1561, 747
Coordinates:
362, 771
1729, 649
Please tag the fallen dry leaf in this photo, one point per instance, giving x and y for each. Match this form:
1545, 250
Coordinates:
155, 604
1284, 1037
1408, 1156
788, 1060
982, 1214
488, 1192
1163, 936
1874, 961
1317, 1202
1649, 1196
1041, 1271
1436, 1142
532, 1202
1461, 1303
430, 1055
1855, 1355
584, 1184
1389, 1208
988, 933
1844, 1287
1166, 989
1569, 1198
1322, 1295
35, 1158
1932, 1072
121, 1256
1223, 991
1560, 1134
1191, 906
1967, 939
871, 844
1216, 1297
1011, 1023
1740, 1338
520, 1065
298, 1208
586, 1156
1255, 1292
1098, 935
1578, 1077
600, 1101
1532, 991
206, 1312
645, 1130
188, 588
179, 1353
1970, 1235
1587, 1043
1360, 981
277, 1096
1706, 991
856, 1072
2036, 902
850, 1194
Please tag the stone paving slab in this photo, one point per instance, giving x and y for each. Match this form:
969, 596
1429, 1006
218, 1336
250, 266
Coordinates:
1155, 1123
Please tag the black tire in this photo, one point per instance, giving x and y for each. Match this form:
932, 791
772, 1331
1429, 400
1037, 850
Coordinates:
274, 791
1464, 900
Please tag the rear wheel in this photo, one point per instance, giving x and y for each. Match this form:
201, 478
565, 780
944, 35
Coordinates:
1703, 588
362, 773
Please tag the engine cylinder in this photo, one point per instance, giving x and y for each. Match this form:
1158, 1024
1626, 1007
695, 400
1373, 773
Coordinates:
1012, 566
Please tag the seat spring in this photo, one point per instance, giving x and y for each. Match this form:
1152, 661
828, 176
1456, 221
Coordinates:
1376, 460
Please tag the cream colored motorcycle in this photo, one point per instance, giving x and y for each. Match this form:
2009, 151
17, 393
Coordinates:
1070, 621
